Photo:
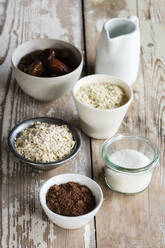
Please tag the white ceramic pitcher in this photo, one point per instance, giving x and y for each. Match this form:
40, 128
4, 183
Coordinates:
118, 49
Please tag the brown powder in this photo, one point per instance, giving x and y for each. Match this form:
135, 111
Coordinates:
70, 199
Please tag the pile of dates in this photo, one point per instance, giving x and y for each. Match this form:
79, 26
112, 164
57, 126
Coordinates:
47, 63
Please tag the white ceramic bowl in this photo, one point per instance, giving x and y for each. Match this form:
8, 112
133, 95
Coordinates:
42, 88
68, 222
101, 123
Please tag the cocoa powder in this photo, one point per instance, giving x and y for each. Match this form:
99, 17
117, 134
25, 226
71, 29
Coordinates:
70, 199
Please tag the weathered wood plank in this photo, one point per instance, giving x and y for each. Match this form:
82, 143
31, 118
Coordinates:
134, 221
23, 224
123, 221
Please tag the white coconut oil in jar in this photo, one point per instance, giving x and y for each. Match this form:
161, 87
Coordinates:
129, 163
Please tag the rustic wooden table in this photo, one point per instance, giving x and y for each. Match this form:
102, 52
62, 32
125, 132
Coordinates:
124, 221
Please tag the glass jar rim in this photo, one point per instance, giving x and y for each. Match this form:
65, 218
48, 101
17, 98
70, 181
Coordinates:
118, 168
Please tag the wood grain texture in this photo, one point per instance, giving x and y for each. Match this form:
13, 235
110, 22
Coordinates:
23, 224
134, 221
124, 221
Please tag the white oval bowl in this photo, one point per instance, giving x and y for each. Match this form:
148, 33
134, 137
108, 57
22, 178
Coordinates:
68, 222
45, 88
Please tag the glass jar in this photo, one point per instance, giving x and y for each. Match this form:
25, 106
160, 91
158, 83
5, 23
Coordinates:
129, 180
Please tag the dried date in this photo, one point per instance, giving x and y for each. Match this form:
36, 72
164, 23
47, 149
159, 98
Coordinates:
46, 55
28, 59
47, 63
57, 67
35, 69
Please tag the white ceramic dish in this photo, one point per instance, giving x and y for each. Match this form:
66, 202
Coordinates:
42, 88
101, 123
68, 222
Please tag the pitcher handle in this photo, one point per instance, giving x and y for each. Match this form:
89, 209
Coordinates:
134, 19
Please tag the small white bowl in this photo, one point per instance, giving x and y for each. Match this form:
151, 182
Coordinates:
68, 222
46, 88
101, 123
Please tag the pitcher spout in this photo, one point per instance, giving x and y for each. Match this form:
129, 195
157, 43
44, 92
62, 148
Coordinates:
117, 27
112, 41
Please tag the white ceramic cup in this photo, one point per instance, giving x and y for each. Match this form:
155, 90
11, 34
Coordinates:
46, 88
68, 222
101, 123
